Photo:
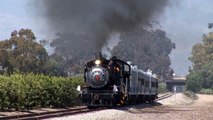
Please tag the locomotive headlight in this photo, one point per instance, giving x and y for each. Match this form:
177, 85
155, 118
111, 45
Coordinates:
97, 62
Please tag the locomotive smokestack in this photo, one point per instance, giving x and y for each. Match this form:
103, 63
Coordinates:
98, 55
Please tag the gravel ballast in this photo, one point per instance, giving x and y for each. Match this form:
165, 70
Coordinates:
176, 107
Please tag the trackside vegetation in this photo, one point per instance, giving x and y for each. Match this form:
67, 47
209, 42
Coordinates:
191, 95
206, 91
200, 77
162, 88
24, 92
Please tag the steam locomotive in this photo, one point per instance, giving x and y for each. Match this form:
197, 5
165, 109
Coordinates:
116, 82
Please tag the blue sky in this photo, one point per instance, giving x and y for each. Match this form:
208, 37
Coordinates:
12, 16
16, 14
185, 21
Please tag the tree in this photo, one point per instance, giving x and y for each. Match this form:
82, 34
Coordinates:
71, 50
148, 50
21, 53
202, 61
207, 73
194, 81
202, 53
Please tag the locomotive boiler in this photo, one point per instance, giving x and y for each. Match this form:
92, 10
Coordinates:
116, 82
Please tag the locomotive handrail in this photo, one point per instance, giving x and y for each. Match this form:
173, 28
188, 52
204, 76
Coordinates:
125, 88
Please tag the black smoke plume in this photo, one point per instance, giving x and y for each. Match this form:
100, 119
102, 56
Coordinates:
99, 18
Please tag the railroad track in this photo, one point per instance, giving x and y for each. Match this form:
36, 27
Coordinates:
49, 114
164, 96
63, 112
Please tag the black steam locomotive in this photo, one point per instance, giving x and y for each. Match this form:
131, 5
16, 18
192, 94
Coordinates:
116, 82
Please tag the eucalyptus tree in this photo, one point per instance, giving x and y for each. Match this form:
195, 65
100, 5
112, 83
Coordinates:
22, 53
202, 62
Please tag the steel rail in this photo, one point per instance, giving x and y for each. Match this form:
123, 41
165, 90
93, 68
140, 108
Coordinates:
49, 114
164, 96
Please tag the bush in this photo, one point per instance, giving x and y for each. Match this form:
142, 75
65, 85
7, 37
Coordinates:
206, 91
21, 92
190, 94
194, 81
162, 88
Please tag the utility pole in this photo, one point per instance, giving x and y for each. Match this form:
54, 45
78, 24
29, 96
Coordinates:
210, 25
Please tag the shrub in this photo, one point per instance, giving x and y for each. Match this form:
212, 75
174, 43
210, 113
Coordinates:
162, 88
190, 94
194, 81
21, 92
206, 91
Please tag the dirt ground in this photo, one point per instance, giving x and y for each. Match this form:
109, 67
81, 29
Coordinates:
201, 109
176, 107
